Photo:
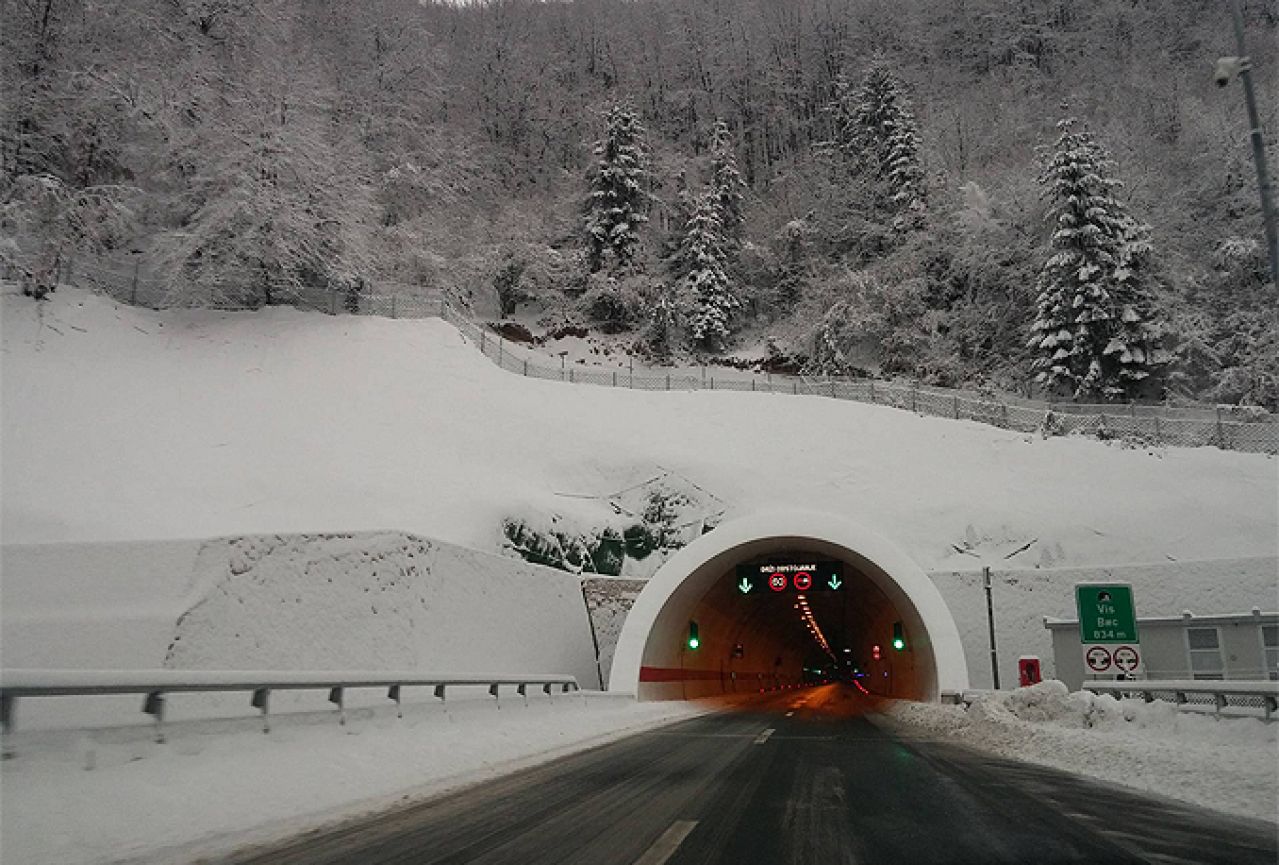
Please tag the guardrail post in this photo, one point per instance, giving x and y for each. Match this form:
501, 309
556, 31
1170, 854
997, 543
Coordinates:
7, 706
439, 692
1219, 700
1269, 705
262, 700
494, 694
393, 693
546, 689
523, 692
1179, 697
153, 705
526, 367
336, 697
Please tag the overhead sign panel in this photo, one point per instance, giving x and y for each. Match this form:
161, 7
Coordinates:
775, 578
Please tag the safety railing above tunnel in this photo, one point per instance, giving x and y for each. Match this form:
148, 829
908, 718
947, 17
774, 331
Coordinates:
156, 685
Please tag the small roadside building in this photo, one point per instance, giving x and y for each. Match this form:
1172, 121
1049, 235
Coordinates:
1219, 646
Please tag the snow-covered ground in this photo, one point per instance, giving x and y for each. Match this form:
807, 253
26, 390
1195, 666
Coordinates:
122, 423
73, 799
1230, 765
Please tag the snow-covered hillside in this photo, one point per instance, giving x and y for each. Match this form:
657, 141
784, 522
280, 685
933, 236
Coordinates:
120, 423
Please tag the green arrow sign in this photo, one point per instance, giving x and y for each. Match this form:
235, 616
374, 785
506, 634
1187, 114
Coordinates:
835, 582
745, 585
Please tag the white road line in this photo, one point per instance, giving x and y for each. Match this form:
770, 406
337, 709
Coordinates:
763, 737
788, 714
664, 847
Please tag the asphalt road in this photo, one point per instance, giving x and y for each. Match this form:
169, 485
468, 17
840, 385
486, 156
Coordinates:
803, 777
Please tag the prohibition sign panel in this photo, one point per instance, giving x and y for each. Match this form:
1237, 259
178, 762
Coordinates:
1097, 658
1127, 659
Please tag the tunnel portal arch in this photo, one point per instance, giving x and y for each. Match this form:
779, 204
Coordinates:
648, 660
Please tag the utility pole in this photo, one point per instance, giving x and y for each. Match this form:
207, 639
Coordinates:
990, 620
1241, 65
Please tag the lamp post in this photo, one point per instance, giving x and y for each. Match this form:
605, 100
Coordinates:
1227, 69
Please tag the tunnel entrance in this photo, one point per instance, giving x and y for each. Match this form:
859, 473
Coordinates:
697, 629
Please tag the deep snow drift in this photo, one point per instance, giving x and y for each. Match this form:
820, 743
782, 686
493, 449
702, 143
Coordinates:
218, 785
122, 423
1228, 764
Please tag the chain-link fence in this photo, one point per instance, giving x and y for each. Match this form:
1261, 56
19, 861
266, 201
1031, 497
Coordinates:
1239, 428
1227, 427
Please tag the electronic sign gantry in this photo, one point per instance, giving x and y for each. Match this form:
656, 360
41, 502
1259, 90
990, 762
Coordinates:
789, 577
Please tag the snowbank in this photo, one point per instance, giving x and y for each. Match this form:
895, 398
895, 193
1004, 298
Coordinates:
216, 786
121, 423
1230, 764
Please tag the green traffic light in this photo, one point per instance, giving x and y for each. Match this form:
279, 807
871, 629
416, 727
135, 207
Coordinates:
899, 644
899, 638
693, 642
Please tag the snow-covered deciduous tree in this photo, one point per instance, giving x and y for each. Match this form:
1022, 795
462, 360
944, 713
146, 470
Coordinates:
726, 182
1092, 336
617, 203
706, 285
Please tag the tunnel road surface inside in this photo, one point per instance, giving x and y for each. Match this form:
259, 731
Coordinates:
791, 778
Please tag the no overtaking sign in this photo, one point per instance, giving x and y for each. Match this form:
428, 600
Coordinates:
1108, 629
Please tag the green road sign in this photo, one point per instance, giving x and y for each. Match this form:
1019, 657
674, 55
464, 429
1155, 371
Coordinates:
745, 585
1106, 613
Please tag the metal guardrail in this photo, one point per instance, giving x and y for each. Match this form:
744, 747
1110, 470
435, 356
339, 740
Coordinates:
1220, 691
156, 684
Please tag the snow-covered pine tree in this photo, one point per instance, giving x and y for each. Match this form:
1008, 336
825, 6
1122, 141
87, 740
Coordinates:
1134, 345
1091, 336
726, 182
616, 205
710, 297
663, 320
882, 137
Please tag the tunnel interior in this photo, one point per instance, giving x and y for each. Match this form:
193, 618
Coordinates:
730, 628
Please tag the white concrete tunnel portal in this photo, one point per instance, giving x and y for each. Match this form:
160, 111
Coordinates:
759, 640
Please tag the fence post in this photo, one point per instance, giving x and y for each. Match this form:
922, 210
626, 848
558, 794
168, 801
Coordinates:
1004, 407
872, 391
794, 388
1221, 432
570, 375
481, 329
393, 305
133, 294
632, 381
1158, 438
668, 381
956, 401
614, 378
500, 342
442, 307
525, 366
562, 367
913, 390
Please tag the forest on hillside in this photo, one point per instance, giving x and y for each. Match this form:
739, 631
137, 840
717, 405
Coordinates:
976, 192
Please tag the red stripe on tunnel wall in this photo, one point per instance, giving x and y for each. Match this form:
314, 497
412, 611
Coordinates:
675, 674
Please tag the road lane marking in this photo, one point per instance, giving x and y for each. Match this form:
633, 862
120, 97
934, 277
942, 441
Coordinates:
664, 847
788, 714
763, 737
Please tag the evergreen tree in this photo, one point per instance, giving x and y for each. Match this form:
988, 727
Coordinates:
615, 208
726, 182
878, 133
711, 299
663, 320
1092, 336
